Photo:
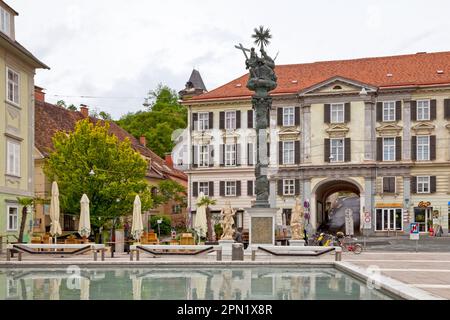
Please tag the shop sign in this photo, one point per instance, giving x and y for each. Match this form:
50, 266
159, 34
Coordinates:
367, 220
424, 204
388, 205
414, 231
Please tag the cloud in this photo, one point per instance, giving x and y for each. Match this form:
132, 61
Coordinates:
112, 48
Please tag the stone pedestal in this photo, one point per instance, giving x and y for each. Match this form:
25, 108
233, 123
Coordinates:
227, 247
297, 243
262, 226
119, 245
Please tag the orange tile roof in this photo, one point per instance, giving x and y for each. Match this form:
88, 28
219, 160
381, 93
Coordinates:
50, 118
407, 70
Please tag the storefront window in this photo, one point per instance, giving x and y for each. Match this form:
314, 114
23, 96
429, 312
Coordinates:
389, 219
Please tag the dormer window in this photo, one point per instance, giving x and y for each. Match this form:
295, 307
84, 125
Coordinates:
5, 22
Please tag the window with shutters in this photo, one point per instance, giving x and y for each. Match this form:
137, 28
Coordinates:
230, 188
288, 152
13, 86
423, 109
423, 184
230, 155
389, 111
288, 187
388, 184
336, 150
12, 219
203, 156
337, 113
230, 120
5, 23
203, 121
388, 149
203, 187
423, 148
13, 158
288, 116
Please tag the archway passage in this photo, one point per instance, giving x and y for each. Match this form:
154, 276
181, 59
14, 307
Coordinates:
333, 198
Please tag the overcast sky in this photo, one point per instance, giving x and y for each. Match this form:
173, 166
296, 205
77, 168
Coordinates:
117, 50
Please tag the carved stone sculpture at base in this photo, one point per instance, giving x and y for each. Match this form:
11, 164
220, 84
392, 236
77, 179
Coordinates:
227, 221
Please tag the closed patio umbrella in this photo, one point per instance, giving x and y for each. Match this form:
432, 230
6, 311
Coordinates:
84, 227
137, 227
137, 288
200, 224
55, 228
84, 288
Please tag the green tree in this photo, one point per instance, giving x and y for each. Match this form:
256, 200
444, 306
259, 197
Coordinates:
164, 227
90, 160
169, 190
163, 116
63, 104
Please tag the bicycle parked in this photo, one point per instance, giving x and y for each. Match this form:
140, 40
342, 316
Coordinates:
342, 240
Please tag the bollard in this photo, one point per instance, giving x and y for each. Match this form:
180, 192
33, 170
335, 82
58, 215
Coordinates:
237, 252
219, 254
338, 254
253, 254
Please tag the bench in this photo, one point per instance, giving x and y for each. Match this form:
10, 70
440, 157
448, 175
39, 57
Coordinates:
157, 250
35, 248
297, 251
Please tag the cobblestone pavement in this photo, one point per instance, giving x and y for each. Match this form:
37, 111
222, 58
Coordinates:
428, 271
404, 244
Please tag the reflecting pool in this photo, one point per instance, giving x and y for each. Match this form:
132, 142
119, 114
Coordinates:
184, 283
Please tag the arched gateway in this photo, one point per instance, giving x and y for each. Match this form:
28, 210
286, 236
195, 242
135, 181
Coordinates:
352, 197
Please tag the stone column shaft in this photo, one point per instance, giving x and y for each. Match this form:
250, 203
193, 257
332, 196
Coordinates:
369, 132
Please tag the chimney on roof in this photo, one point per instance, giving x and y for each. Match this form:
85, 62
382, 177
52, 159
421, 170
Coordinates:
39, 94
143, 141
84, 110
168, 160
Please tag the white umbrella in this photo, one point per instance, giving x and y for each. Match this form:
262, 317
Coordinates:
84, 288
137, 228
55, 228
137, 288
84, 227
200, 223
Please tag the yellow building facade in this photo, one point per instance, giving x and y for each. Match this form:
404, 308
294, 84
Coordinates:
17, 67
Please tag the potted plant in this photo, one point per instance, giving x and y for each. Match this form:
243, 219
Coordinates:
218, 230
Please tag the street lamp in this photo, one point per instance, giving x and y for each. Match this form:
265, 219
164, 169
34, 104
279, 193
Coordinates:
159, 221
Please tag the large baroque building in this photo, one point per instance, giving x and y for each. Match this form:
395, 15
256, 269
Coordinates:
376, 127
17, 67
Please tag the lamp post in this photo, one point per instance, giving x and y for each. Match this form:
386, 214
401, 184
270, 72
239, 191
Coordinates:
159, 221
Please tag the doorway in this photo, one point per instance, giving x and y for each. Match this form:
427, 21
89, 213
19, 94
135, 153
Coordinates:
333, 198
422, 216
